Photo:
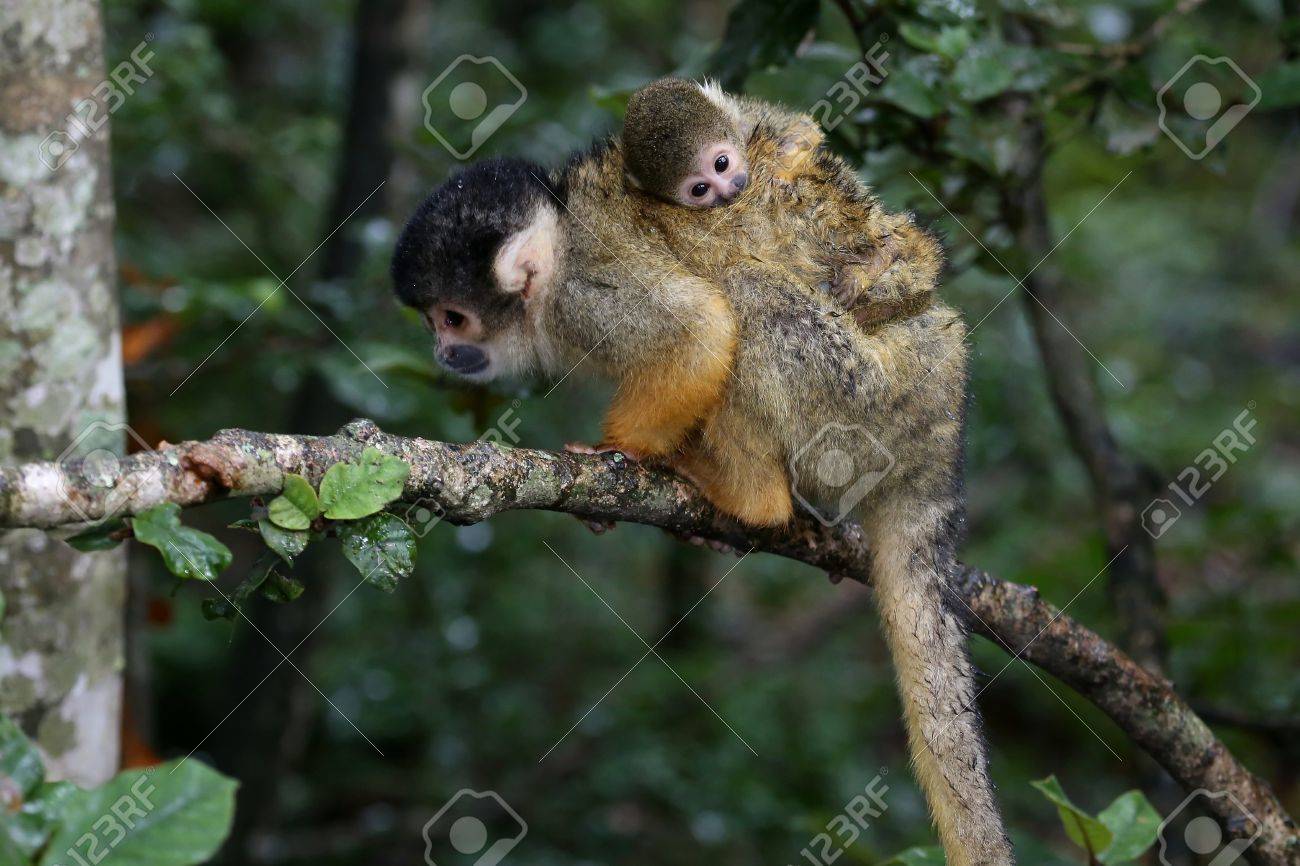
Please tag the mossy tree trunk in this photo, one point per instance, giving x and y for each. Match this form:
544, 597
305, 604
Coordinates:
61, 386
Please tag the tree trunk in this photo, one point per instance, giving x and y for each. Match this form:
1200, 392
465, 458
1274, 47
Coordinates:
61, 391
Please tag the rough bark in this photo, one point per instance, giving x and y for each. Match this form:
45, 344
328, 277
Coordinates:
473, 482
60, 382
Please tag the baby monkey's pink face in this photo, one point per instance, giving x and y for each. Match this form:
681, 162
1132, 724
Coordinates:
720, 173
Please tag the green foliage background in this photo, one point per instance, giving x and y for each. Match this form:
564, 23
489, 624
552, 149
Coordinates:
1182, 283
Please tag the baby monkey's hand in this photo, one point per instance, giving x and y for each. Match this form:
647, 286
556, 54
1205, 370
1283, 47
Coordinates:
795, 148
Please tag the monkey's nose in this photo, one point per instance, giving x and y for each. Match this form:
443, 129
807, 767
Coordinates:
461, 358
739, 182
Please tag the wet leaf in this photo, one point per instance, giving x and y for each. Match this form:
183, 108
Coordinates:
287, 543
98, 536
187, 552
353, 490
280, 588
21, 768
382, 548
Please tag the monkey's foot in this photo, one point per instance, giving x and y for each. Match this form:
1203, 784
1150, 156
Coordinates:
701, 541
583, 448
597, 527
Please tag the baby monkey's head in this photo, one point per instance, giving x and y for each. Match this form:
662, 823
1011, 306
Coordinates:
683, 144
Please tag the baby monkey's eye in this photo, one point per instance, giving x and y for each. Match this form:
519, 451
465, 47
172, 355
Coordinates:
453, 319
699, 190
720, 164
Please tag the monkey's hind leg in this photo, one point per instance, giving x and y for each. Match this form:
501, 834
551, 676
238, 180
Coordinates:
740, 480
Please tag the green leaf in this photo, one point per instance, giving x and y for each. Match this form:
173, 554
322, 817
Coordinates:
919, 37
229, 606
287, 543
21, 768
296, 506
352, 490
761, 34
982, 73
1280, 86
1134, 822
953, 42
29, 806
175, 814
948, 42
188, 553
1083, 829
909, 92
280, 588
612, 99
382, 548
27, 830
929, 856
97, 537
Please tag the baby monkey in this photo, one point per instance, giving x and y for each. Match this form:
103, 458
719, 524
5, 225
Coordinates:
695, 145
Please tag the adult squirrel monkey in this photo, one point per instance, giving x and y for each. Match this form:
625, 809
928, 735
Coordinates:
733, 368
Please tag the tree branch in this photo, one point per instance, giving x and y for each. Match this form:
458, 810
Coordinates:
1122, 485
473, 482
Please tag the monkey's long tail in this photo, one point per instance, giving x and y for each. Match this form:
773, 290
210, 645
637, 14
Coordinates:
912, 558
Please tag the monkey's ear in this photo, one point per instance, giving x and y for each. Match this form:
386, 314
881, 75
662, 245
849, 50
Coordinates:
525, 263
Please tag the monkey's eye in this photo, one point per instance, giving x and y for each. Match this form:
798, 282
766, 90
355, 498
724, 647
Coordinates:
699, 190
721, 163
453, 319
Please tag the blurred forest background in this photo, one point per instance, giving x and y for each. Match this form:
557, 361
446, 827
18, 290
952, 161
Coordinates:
280, 118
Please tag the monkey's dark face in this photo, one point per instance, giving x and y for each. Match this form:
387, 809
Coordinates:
717, 175
475, 261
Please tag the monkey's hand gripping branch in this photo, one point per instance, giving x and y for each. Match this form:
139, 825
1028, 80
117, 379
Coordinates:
473, 482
